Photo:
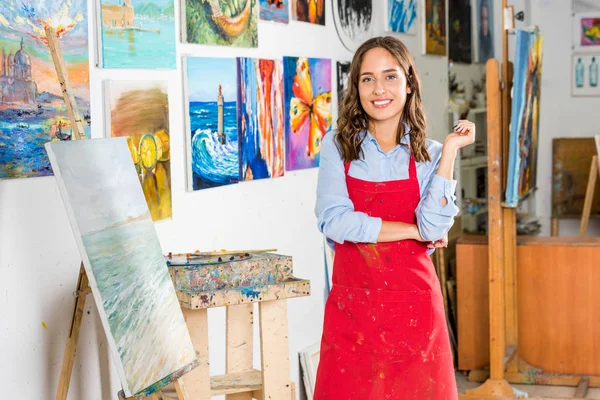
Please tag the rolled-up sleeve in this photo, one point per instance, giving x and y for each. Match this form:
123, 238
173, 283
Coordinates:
335, 213
433, 219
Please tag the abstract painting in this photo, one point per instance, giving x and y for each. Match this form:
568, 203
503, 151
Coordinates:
212, 122
584, 74
122, 256
524, 123
352, 20
32, 107
221, 22
343, 69
260, 118
311, 11
275, 11
586, 31
485, 30
139, 111
137, 34
459, 31
435, 27
307, 84
402, 16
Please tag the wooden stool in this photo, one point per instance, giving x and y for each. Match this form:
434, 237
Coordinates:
238, 283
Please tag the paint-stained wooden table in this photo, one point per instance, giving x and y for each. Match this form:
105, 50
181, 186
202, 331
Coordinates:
237, 281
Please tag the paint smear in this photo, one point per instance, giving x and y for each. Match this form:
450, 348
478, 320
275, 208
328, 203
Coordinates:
44, 325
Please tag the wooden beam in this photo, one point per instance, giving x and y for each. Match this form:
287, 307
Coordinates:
239, 354
274, 349
589, 196
197, 382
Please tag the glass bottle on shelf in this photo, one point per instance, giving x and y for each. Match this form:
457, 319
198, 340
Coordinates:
579, 71
593, 73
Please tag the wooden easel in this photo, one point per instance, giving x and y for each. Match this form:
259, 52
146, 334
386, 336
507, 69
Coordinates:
506, 366
589, 195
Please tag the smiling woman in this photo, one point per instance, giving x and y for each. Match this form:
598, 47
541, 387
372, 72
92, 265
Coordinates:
385, 199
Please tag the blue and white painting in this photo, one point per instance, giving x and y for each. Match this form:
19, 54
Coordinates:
275, 11
402, 16
212, 101
138, 34
123, 260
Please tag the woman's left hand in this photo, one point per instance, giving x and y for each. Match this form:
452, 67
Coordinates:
443, 242
463, 135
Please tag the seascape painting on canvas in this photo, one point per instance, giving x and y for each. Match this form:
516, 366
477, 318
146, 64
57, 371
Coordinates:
260, 118
275, 11
139, 111
32, 107
136, 300
212, 113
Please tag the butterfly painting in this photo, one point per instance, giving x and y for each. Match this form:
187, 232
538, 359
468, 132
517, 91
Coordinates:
308, 109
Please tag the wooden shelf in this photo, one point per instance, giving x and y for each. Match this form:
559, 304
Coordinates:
239, 382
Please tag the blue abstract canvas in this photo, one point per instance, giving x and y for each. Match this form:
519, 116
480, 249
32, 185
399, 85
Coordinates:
402, 16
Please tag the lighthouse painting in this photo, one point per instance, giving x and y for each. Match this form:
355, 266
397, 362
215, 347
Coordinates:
211, 93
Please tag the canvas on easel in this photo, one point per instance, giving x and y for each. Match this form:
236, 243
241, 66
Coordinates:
123, 262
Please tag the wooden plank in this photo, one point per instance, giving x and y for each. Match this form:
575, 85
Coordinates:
589, 194
73, 335
582, 388
244, 295
197, 382
180, 389
563, 241
236, 383
274, 349
510, 261
554, 229
239, 354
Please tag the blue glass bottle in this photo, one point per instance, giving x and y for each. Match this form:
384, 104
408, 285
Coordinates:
593, 73
579, 71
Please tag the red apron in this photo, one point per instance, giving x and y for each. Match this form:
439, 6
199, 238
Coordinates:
385, 334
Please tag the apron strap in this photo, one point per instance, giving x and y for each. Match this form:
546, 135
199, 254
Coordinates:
346, 168
412, 167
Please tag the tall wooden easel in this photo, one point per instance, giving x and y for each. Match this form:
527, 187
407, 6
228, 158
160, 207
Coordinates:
591, 186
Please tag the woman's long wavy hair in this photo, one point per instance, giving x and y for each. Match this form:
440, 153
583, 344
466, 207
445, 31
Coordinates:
353, 119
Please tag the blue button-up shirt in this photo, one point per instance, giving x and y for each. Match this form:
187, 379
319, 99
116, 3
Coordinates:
337, 219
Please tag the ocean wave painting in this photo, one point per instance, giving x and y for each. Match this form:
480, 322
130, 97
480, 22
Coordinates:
260, 118
212, 100
275, 11
123, 260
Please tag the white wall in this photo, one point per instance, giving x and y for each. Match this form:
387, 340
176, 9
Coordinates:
39, 259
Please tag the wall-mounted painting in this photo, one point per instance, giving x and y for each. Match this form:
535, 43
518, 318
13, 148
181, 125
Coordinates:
311, 11
212, 139
220, 22
32, 107
342, 69
141, 316
586, 31
260, 118
307, 109
137, 34
525, 113
584, 74
139, 111
402, 16
275, 11
435, 27
459, 31
484, 12
353, 21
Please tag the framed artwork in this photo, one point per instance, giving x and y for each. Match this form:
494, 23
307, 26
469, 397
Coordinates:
309, 360
311, 11
352, 19
275, 11
402, 16
586, 32
584, 74
459, 31
342, 69
484, 30
524, 123
435, 27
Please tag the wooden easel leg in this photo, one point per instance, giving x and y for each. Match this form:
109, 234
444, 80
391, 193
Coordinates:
71, 347
180, 389
197, 381
274, 350
554, 228
239, 343
510, 287
589, 196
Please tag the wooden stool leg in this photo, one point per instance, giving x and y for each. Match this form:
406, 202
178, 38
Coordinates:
274, 349
239, 343
197, 382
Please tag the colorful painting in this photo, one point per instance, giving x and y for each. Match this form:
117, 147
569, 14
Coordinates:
352, 19
402, 16
586, 30
435, 27
459, 31
260, 118
485, 30
590, 31
32, 107
584, 74
221, 22
122, 256
275, 11
343, 69
213, 133
311, 11
307, 108
524, 123
137, 34
139, 110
